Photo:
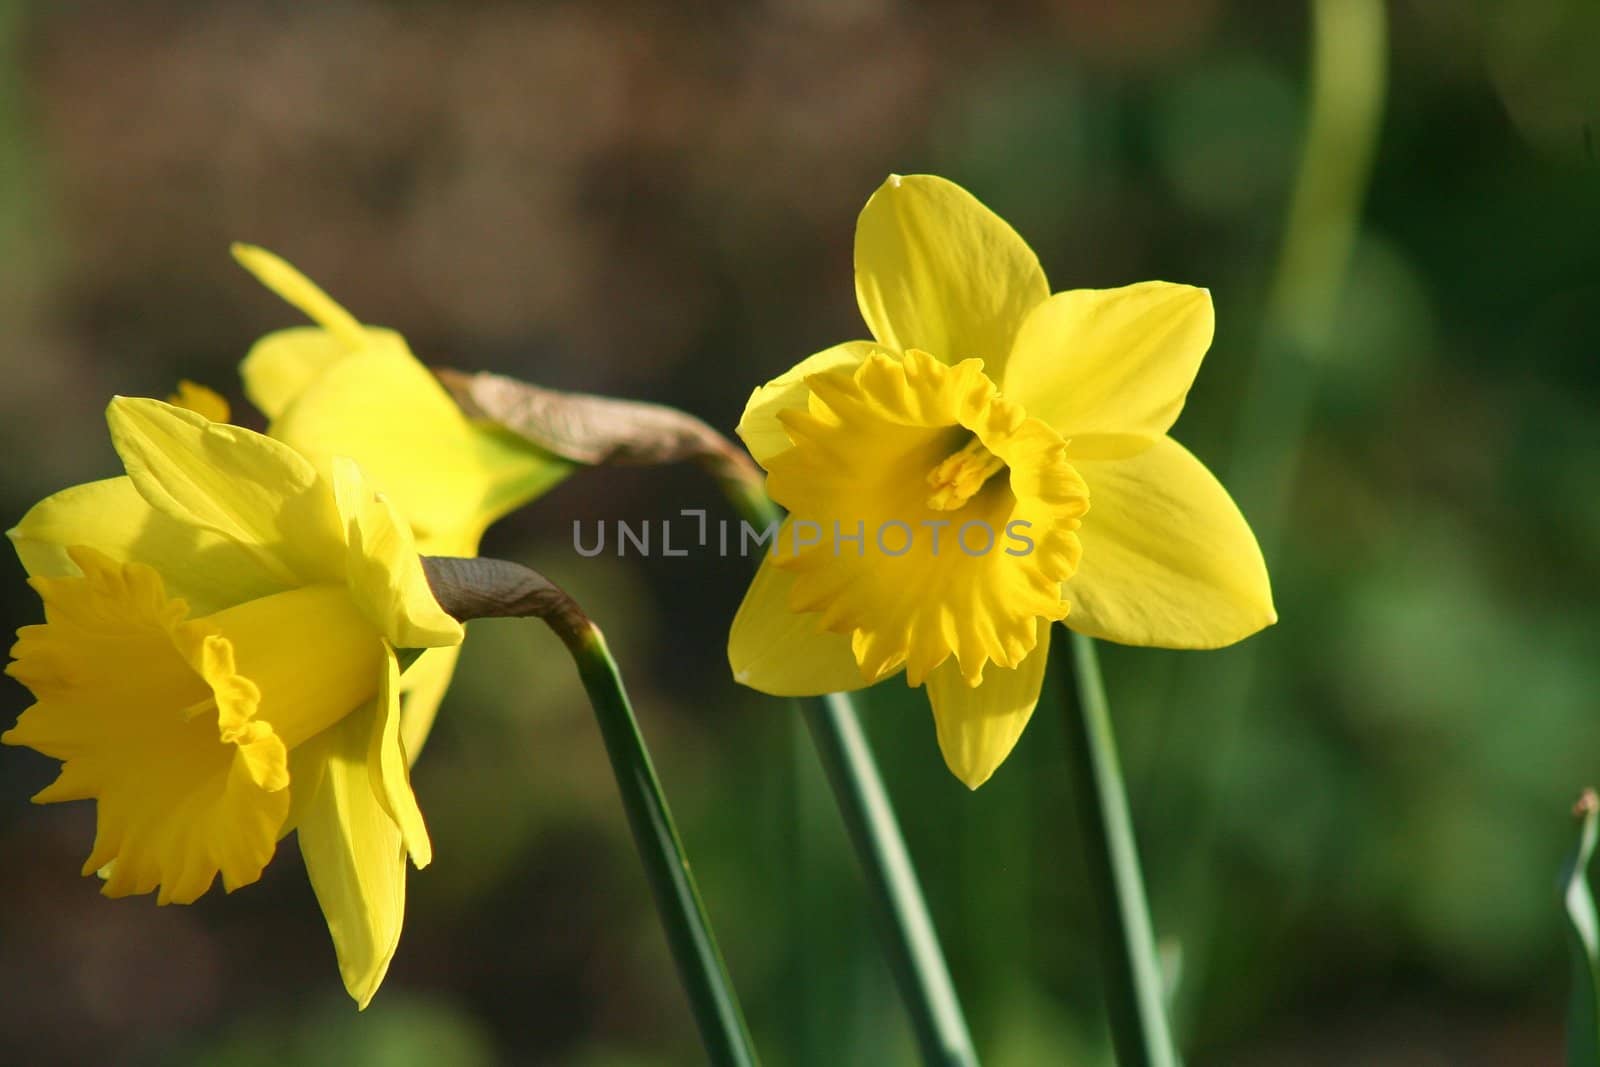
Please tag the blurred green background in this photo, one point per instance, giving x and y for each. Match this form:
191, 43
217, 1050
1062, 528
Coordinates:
1351, 825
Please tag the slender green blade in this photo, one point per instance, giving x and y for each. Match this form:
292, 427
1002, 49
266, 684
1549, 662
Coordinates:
1583, 936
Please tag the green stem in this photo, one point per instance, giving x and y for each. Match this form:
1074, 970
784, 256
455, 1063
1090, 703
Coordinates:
912, 945
1131, 971
700, 965
481, 588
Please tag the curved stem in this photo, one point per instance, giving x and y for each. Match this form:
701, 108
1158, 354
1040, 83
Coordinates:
489, 588
700, 964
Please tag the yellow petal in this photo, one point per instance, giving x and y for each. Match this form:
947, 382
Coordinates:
1168, 561
422, 690
385, 571
937, 270
281, 365
353, 852
276, 274
781, 652
387, 763
1110, 368
344, 389
233, 482
205, 569
979, 726
200, 400
308, 766
759, 427
448, 477
160, 730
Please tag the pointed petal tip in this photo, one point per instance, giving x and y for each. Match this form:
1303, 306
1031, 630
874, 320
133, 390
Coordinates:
257, 260
364, 987
1267, 617
292, 286
262, 264
972, 765
121, 406
979, 727
972, 777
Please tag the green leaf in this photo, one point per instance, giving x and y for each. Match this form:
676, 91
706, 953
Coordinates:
1583, 930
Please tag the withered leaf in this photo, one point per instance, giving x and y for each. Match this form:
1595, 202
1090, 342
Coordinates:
592, 429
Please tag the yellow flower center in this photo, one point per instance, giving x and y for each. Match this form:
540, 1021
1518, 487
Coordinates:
929, 516
958, 479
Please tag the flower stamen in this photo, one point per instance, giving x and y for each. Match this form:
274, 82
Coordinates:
957, 479
208, 703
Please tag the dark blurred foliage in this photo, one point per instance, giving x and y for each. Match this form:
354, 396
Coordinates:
1356, 865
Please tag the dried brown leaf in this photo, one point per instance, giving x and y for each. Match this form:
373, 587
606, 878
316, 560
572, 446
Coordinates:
592, 429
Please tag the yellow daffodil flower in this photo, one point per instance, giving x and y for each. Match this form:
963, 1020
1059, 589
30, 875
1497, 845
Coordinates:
217, 668
342, 389
995, 459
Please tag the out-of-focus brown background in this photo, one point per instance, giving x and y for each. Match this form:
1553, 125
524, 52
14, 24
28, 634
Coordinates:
1351, 825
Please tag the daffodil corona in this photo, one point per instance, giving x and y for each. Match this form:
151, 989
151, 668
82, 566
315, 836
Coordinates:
986, 405
218, 668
